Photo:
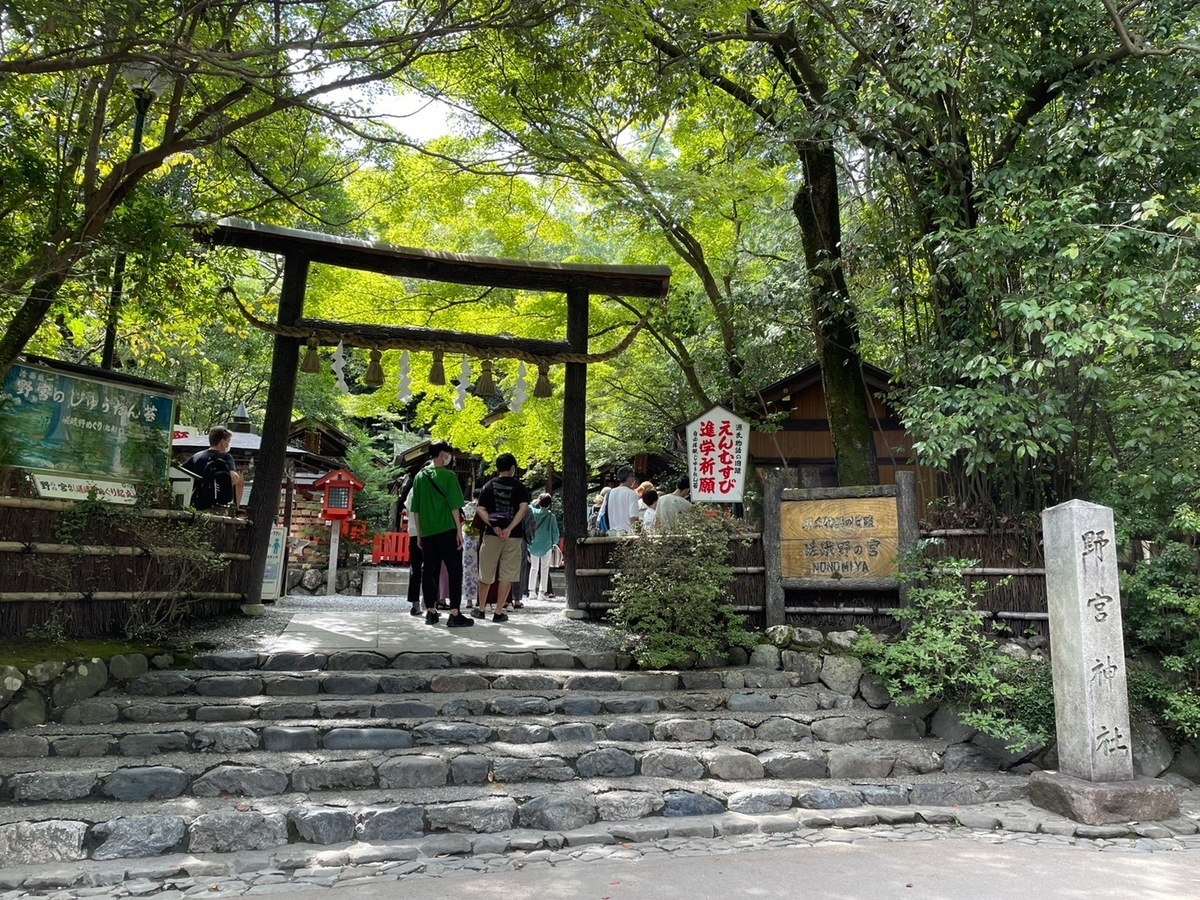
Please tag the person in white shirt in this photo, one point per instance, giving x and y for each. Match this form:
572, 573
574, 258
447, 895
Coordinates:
650, 500
621, 506
671, 506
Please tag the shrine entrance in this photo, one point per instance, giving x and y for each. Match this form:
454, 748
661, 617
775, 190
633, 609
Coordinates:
291, 329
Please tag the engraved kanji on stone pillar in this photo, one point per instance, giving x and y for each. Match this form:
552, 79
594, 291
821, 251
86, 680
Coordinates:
1086, 643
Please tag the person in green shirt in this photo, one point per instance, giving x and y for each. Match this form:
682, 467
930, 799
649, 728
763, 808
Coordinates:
435, 516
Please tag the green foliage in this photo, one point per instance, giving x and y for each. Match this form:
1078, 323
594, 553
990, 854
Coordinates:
944, 657
672, 594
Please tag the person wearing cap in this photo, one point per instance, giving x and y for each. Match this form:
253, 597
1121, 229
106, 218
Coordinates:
622, 503
435, 516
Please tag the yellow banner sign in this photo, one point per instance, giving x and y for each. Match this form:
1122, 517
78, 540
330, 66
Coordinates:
847, 538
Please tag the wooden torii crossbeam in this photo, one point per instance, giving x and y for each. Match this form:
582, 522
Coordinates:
302, 248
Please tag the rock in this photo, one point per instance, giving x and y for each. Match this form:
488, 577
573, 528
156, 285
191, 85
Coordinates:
322, 824
916, 761
665, 763
750, 702
730, 730
1152, 750
37, 843
793, 764
526, 681
633, 732
969, 758
229, 739
228, 661
441, 733
760, 801
683, 730
243, 781
405, 709
765, 656
781, 728
780, 636
660, 682
367, 739
285, 738
45, 672
228, 832
11, 681
356, 683
412, 772
631, 704
27, 711
1013, 650
1100, 803
541, 768
130, 665
312, 579
467, 768
943, 794
841, 673
391, 823
336, 775
807, 637
807, 665
827, 798
34, 786
621, 806
229, 686
85, 745
883, 794
593, 682
161, 684
607, 762
519, 706
135, 837
873, 691
145, 783
842, 640
584, 732
84, 679
890, 728
13, 746
949, 727
1005, 757
766, 678
557, 812
853, 763
523, 734
839, 730
294, 661
1186, 762
730, 764
686, 803
478, 816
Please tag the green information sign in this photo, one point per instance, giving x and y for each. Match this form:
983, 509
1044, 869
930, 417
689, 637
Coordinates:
58, 421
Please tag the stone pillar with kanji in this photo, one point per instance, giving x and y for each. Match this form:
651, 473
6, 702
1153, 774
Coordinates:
1096, 783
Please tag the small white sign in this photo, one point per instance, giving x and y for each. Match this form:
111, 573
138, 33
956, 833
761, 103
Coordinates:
273, 573
56, 486
717, 443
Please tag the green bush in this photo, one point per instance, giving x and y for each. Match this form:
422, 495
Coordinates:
1162, 619
672, 594
943, 656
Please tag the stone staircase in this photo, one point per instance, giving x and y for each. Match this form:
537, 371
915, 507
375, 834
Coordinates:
250, 751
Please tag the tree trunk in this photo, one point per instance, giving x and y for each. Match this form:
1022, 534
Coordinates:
817, 210
28, 319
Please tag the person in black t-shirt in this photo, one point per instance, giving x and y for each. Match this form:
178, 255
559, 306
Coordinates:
503, 505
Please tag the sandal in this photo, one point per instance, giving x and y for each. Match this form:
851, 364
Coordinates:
517, 604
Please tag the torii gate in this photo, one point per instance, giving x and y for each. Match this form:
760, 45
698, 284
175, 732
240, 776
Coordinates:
301, 248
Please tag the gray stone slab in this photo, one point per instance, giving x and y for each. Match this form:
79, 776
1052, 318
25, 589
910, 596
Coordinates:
1103, 803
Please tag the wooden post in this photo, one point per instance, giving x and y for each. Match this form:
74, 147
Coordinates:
335, 538
906, 520
774, 481
264, 504
575, 465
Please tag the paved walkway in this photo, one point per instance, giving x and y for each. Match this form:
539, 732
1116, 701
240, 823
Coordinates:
391, 633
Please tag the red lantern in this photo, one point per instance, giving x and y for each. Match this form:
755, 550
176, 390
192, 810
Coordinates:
339, 487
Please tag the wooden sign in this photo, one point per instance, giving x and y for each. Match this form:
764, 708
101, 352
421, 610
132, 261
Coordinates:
837, 539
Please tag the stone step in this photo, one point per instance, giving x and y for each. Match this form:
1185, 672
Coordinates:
370, 660
215, 817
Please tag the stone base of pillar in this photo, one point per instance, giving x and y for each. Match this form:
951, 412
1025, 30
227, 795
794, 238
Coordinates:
254, 609
575, 613
1103, 802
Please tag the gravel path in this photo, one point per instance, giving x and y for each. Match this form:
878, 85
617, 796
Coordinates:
259, 632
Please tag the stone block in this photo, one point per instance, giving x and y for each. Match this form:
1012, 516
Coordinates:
322, 824
37, 843
476, 816
620, 806
136, 837
689, 803
557, 812
1103, 803
337, 775
665, 763
730, 764
227, 832
607, 762
244, 781
841, 673
390, 823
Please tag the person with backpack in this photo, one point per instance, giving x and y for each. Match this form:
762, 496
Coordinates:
503, 505
220, 483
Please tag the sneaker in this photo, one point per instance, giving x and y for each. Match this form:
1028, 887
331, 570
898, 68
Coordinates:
431, 617
476, 613
416, 610
542, 598
500, 617
459, 621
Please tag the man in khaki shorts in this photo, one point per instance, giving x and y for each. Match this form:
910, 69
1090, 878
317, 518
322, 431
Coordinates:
503, 505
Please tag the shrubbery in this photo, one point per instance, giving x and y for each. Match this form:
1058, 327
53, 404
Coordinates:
943, 656
672, 594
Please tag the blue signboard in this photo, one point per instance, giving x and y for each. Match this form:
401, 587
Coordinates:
53, 420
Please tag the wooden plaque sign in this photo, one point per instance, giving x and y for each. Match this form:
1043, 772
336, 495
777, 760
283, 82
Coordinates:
843, 538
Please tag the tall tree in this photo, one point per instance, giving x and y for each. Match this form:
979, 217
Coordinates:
224, 73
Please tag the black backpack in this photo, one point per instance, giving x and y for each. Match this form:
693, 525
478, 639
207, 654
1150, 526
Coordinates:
216, 485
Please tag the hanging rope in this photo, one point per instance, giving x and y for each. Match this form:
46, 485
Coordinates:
396, 337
